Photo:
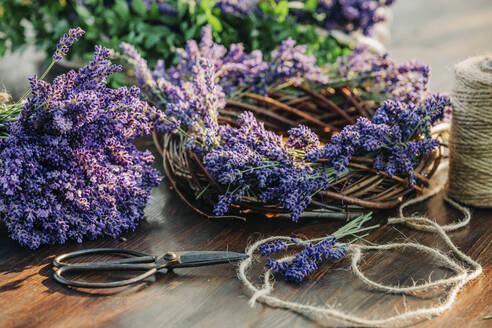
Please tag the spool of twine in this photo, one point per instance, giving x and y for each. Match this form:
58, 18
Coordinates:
470, 164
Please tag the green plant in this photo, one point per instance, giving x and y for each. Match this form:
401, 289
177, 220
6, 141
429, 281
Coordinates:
156, 31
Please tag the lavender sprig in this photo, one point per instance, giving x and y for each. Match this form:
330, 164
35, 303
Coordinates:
379, 75
351, 15
313, 252
397, 136
66, 42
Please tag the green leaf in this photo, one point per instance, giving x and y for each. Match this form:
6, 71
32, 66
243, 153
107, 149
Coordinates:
207, 5
117, 80
154, 10
151, 40
189, 34
282, 10
83, 12
310, 5
214, 22
61, 27
121, 8
139, 7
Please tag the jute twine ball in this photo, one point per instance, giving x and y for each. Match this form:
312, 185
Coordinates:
470, 164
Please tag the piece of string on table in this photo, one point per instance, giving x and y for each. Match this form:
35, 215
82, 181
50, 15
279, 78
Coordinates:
456, 282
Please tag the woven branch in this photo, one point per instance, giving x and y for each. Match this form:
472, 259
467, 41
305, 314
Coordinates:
362, 189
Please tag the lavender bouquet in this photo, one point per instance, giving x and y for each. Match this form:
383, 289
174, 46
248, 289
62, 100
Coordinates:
377, 150
68, 168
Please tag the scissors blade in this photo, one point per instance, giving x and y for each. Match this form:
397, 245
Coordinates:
202, 258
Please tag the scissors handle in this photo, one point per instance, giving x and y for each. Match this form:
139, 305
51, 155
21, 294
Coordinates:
137, 257
139, 261
58, 275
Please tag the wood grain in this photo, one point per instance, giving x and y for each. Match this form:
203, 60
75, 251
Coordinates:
213, 296
439, 33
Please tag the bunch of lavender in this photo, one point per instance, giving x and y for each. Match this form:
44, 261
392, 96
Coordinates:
233, 68
69, 169
351, 15
248, 160
291, 62
397, 137
252, 161
379, 75
309, 258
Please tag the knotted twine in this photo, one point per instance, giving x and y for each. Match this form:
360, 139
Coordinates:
462, 274
470, 164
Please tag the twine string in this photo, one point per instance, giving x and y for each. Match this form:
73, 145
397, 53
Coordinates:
470, 169
455, 283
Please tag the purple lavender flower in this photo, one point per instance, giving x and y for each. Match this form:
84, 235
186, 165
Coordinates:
278, 246
398, 134
233, 68
305, 262
145, 79
163, 7
351, 15
291, 62
302, 138
236, 7
251, 159
69, 169
378, 74
66, 42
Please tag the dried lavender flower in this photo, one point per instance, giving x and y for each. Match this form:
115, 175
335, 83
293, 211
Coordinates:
69, 169
66, 42
380, 75
314, 251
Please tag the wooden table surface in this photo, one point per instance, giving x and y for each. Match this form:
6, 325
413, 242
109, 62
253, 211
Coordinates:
213, 296
439, 32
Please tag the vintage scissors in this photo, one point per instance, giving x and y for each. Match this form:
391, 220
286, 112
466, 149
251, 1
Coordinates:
138, 262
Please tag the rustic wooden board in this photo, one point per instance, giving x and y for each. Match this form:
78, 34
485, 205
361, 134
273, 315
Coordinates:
438, 32
213, 296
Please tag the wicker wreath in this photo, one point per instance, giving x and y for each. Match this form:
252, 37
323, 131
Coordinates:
362, 189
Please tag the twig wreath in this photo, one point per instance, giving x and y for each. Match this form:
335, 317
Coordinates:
281, 135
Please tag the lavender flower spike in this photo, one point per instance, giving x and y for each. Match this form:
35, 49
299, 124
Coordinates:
66, 42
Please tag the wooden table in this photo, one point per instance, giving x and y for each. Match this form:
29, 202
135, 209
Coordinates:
440, 33
214, 297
